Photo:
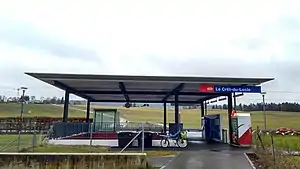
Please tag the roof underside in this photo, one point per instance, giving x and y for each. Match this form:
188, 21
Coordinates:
143, 89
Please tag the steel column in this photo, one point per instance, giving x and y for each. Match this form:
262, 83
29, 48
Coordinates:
88, 106
165, 118
175, 91
66, 106
205, 107
202, 114
230, 109
202, 109
176, 111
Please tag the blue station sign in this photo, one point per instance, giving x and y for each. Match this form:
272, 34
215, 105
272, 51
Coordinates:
243, 89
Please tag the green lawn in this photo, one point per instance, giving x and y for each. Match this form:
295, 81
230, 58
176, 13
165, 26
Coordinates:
190, 118
95, 149
281, 142
32, 110
9, 143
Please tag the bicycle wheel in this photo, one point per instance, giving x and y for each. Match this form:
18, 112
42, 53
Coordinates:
164, 142
181, 143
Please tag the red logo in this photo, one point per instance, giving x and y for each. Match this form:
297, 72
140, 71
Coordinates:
207, 88
232, 113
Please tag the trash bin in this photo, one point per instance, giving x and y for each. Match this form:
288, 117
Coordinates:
147, 140
124, 138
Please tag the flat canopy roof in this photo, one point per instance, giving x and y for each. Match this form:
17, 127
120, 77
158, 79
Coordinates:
141, 89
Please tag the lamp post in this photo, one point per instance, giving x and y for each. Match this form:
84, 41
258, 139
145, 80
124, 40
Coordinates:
23, 95
264, 110
21, 115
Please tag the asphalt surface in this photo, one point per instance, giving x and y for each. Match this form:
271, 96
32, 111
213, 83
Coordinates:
202, 156
210, 157
159, 161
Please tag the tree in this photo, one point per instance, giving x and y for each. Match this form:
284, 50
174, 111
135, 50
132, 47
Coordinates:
32, 98
53, 100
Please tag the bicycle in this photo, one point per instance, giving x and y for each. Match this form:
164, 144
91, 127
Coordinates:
179, 139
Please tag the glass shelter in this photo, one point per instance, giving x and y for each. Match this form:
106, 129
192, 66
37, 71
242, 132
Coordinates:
106, 120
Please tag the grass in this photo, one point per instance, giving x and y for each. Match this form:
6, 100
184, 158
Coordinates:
45, 148
70, 149
11, 142
26, 143
33, 110
286, 143
190, 118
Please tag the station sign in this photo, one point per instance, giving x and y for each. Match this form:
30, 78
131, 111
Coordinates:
210, 88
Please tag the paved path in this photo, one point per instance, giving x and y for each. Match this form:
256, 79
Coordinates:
216, 158
159, 161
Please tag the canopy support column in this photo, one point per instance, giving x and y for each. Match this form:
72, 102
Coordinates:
88, 106
205, 107
202, 113
165, 118
66, 106
229, 117
176, 112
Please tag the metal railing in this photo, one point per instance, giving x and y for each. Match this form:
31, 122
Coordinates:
134, 138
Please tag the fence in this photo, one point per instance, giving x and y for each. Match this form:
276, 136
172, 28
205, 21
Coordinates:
59, 130
277, 151
26, 136
21, 139
11, 125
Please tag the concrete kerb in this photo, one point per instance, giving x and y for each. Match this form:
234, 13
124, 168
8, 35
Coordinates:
67, 160
250, 162
87, 154
165, 165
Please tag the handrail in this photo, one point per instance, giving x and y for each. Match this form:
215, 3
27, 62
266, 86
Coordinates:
131, 140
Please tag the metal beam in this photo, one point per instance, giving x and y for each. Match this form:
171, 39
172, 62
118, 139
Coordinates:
174, 91
229, 117
123, 90
238, 95
177, 122
88, 106
202, 109
221, 99
145, 101
165, 118
207, 98
71, 90
149, 93
213, 101
66, 106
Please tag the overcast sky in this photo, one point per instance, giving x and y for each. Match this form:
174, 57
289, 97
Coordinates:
202, 38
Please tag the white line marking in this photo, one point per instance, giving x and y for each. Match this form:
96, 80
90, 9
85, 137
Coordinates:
250, 162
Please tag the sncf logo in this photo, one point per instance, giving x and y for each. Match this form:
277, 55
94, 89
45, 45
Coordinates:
207, 88
210, 88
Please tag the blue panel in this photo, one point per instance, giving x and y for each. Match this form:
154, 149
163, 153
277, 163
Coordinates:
173, 128
67, 129
212, 128
231, 89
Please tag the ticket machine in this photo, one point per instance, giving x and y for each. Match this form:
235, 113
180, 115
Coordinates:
241, 129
